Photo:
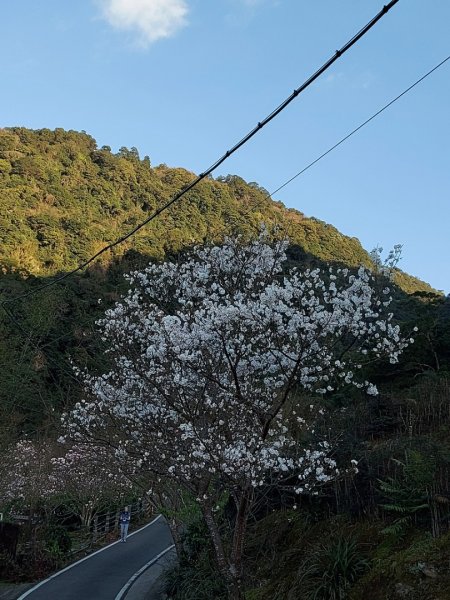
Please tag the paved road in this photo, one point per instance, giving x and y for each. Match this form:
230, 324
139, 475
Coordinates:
104, 574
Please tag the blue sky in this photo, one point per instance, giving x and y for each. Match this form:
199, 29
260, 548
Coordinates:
182, 80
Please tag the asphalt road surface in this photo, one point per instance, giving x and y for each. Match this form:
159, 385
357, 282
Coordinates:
102, 575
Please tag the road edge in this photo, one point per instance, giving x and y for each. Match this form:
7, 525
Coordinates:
129, 584
41, 583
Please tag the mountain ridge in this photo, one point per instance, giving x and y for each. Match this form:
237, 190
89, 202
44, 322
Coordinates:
63, 199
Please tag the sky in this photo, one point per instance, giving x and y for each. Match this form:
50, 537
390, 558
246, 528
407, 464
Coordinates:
183, 80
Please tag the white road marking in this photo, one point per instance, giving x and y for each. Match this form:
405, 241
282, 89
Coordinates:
132, 579
82, 560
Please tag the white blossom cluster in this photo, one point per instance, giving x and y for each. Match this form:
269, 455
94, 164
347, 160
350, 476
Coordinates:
25, 474
87, 473
82, 478
209, 352
386, 267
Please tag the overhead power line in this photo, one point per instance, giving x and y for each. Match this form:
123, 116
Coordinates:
224, 157
349, 135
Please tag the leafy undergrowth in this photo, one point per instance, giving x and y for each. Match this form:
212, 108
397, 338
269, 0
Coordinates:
195, 576
292, 558
416, 568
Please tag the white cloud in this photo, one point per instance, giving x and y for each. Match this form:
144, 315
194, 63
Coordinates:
150, 19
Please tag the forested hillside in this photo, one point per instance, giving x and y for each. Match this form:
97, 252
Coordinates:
62, 199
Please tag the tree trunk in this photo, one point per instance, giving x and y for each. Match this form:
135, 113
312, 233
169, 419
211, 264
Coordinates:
32, 529
240, 528
86, 515
235, 591
107, 521
175, 531
95, 530
228, 570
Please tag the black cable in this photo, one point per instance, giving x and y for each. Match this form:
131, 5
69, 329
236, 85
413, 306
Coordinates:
224, 157
359, 127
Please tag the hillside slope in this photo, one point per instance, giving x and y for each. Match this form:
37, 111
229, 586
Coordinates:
62, 199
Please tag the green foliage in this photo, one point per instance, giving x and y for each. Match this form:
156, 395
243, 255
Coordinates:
430, 312
332, 568
57, 540
62, 199
10, 570
59, 192
295, 556
185, 509
408, 494
406, 565
196, 576
196, 581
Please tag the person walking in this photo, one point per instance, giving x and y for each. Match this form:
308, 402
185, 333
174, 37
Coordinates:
124, 521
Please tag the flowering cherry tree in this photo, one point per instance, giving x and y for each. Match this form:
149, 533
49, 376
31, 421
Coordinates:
35, 475
87, 478
210, 355
25, 475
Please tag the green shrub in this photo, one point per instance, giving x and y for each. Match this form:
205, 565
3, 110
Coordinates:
197, 580
332, 568
407, 495
57, 540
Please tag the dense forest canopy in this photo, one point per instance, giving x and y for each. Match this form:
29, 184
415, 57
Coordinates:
62, 199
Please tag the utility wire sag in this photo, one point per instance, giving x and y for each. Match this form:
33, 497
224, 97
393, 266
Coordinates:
223, 158
341, 141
